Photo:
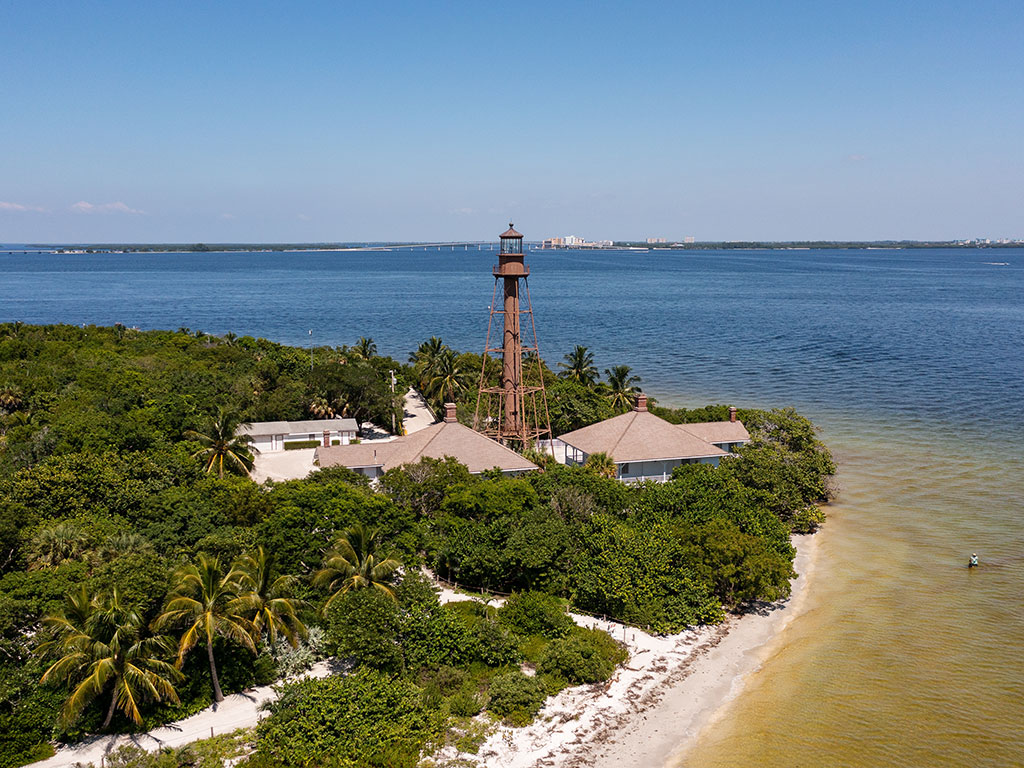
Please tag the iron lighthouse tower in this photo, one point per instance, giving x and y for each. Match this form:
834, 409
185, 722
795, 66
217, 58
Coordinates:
513, 410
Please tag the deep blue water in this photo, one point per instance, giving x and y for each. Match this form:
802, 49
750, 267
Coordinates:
930, 335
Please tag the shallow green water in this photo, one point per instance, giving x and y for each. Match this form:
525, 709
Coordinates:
903, 657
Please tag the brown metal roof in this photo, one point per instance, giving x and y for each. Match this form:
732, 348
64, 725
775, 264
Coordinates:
436, 441
718, 431
510, 232
640, 436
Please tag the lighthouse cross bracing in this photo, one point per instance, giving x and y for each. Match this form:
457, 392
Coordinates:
513, 411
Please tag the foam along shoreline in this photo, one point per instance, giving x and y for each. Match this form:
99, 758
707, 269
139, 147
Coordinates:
655, 706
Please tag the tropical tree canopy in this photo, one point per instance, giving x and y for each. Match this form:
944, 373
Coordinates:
365, 348
103, 646
621, 386
205, 602
222, 446
354, 563
449, 380
268, 600
579, 366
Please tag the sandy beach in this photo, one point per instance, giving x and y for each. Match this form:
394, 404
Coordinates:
654, 707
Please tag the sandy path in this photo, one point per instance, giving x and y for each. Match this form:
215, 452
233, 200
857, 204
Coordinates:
417, 413
239, 710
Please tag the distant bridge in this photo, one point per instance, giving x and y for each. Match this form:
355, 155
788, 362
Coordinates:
465, 246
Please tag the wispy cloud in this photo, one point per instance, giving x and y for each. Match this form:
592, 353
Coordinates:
83, 207
304, 217
227, 216
4, 206
463, 211
856, 158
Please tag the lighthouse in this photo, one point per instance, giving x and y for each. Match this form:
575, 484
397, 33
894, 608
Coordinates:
511, 410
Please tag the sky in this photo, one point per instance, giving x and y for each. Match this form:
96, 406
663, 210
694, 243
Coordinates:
441, 121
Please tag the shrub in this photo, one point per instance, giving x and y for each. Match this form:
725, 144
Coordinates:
466, 702
585, 656
535, 613
364, 626
516, 697
807, 520
432, 636
364, 719
292, 661
496, 647
298, 445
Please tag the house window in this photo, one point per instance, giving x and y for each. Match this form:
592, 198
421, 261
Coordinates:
625, 468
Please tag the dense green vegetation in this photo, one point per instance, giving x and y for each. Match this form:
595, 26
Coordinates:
143, 583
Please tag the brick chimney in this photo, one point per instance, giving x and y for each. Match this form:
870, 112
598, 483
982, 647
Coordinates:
732, 413
641, 402
450, 413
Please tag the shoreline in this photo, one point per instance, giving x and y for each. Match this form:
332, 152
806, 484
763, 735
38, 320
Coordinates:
652, 711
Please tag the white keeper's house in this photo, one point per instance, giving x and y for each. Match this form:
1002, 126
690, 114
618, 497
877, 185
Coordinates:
646, 447
270, 436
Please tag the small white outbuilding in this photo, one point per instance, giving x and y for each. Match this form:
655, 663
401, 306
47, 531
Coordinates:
270, 436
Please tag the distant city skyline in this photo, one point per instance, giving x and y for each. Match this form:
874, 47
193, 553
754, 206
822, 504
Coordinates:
405, 121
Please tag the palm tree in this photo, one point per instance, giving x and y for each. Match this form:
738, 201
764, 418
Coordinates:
601, 464
229, 338
267, 600
124, 543
221, 444
102, 644
425, 359
449, 378
365, 348
354, 563
54, 545
320, 408
204, 600
621, 386
579, 367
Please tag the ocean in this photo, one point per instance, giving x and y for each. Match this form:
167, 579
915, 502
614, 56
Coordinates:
910, 361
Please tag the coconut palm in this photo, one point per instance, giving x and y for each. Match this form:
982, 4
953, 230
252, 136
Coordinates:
621, 386
364, 348
449, 380
602, 464
268, 601
221, 445
103, 646
355, 563
204, 600
56, 544
320, 408
579, 367
425, 359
